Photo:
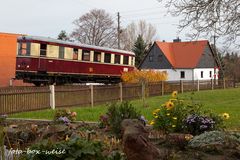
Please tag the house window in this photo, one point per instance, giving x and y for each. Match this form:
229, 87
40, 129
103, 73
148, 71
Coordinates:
75, 53
159, 57
125, 60
117, 59
150, 58
97, 57
61, 52
210, 74
107, 58
43, 50
182, 74
86, 55
201, 74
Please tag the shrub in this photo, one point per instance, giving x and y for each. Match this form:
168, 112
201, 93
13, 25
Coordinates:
213, 140
74, 148
179, 115
64, 116
137, 76
116, 113
196, 124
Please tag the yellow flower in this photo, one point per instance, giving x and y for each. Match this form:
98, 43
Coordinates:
173, 99
152, 122
168, 114
169, 105
155, 116
173, 125
175, 118
174, 94
225, 116
156, 111
67, 138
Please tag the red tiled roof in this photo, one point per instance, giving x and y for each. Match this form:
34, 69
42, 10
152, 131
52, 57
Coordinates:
183, 54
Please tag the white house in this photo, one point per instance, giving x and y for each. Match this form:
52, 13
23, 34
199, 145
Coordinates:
182, 60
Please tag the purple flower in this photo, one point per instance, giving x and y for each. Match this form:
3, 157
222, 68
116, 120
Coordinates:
64, 119
143, 119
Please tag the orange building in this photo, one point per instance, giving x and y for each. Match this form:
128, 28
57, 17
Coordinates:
8, 51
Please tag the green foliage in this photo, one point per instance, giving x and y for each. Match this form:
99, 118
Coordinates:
72, 149
139, 49
63, 36
64, 116
117, 112
75, 148
177, 115
2, 136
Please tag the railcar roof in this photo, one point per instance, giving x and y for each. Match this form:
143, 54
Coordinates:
45, 39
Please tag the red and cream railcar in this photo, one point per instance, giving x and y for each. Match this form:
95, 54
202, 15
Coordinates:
46, 61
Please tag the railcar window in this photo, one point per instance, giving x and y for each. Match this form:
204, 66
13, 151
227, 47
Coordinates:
86, 55
133, 59
125, 60
24, 48
43, 50
75, 53
117, 59
107, 58
97, 56
61, 52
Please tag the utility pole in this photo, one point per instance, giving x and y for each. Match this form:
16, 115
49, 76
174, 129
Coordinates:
118, 29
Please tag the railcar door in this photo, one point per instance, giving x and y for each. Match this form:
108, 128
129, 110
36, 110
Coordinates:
42, 61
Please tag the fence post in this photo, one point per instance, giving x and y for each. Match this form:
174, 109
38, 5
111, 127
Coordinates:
143, 91
11, 82
198, 85
52, 96
162, 88
121, 91
224, 83
181, 86
91, 95
212, 84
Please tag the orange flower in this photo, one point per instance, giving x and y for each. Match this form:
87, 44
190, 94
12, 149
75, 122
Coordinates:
73, 114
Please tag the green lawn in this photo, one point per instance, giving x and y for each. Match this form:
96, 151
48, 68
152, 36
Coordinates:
219, 101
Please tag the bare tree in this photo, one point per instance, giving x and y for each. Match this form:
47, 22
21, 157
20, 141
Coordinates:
95, 28
218, 18
129, 35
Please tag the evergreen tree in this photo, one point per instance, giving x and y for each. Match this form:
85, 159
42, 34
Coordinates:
139, 49
63, 36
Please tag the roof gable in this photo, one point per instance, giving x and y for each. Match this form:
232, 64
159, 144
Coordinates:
183, 54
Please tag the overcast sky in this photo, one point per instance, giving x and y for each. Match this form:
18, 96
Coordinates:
49, 17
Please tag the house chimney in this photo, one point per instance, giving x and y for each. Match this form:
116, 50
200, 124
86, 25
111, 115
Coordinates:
177, 40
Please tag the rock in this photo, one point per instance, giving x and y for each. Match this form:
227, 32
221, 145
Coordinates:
136, 144
13, 126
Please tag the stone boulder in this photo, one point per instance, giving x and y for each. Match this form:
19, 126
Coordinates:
136, 144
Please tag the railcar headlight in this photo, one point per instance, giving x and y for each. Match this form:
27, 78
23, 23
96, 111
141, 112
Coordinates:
27, 66
19, 66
